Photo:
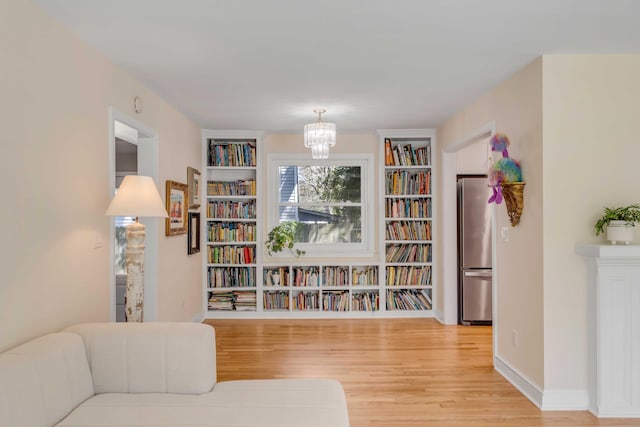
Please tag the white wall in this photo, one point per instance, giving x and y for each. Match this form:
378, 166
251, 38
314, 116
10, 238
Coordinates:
54, 110
516, 107
591, 154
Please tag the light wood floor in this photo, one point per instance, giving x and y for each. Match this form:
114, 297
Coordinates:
395, 372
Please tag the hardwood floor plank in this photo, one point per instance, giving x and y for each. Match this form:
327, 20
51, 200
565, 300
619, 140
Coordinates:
395, 372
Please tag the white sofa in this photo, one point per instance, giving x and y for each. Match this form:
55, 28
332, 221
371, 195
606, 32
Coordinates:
149, 374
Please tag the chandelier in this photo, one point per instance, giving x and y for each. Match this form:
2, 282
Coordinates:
320, 136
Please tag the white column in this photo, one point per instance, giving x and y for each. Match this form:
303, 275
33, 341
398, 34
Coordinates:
613, 311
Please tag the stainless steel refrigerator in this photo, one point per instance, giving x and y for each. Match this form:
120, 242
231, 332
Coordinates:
474, 251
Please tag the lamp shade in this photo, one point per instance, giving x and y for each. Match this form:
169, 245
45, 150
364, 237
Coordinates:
137, 196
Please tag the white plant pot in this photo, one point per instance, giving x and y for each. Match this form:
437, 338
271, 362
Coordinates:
619, 231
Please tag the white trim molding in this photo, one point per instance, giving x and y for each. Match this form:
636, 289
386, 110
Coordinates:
546, 400
525, 385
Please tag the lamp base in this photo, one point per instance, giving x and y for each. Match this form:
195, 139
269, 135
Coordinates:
135, 272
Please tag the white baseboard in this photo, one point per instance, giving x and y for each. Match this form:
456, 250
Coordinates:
520, 381
546, 400
438, 315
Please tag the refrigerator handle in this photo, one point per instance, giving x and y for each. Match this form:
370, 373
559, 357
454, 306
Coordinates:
482, 273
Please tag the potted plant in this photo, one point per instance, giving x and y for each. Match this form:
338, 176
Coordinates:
619, 223
281, 237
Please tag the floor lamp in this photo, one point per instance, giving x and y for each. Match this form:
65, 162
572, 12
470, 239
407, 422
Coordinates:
137, 196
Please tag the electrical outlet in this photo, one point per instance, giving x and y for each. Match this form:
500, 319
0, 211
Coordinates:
504, 233
514, 338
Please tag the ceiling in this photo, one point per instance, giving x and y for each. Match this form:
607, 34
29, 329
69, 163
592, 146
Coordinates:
373, 64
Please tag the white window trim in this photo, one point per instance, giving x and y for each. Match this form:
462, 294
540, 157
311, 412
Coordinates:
366, 162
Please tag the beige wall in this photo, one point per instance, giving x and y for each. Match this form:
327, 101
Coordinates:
55, 150
516, 107
591, 152
364, 143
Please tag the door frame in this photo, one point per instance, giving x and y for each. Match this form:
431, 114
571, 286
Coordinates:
148, 165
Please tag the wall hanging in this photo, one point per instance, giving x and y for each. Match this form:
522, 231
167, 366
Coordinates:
505, 178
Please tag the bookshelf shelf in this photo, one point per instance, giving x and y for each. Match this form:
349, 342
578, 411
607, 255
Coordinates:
231, 210
407, 201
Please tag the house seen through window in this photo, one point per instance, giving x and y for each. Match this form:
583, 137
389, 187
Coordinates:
329, 201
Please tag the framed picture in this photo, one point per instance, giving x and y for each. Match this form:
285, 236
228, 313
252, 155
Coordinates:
193, 241
193, 181
177, 208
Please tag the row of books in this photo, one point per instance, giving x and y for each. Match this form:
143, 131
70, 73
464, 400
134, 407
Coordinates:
232, 300
229, 209
231, 254
408, 253
331, 276
408, 230
365, 301
335, 276
406, 155
231, 154
408, 208
409, 299
404, 182
335, 301
232, 188
277, 276
229, 277
306, 301
305, 276
231, 232
331, 301
364, 276
275, 300
408, 275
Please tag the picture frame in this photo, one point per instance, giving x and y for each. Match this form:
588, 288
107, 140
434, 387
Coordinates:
176, 199
193, 181
193, 239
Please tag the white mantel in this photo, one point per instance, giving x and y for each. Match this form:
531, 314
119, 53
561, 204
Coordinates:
613, 312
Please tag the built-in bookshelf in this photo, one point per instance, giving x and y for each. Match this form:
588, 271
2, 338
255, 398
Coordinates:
231, 226
398, 282
321, 288
407, 203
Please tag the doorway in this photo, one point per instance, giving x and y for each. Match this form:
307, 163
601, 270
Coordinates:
455, 158
133, 149
126, 164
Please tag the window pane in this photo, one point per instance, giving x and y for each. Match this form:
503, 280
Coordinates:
327, 224
320, 183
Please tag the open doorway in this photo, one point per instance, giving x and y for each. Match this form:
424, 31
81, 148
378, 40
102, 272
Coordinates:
133, 150
470, 155
126, 164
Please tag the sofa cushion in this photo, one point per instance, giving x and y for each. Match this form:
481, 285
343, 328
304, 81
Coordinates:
151, 357
259, 403
43, 380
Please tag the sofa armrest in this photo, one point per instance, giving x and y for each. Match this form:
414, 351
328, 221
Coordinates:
153, 357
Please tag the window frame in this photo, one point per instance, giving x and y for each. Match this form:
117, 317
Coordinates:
365, 161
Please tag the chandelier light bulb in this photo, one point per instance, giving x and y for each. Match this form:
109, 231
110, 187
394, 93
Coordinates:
319, 136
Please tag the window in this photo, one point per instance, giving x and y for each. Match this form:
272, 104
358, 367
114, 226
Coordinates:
329, 198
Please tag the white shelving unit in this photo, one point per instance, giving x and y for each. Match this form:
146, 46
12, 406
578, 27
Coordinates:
321, 289
242, 286
406, 184
231, 226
